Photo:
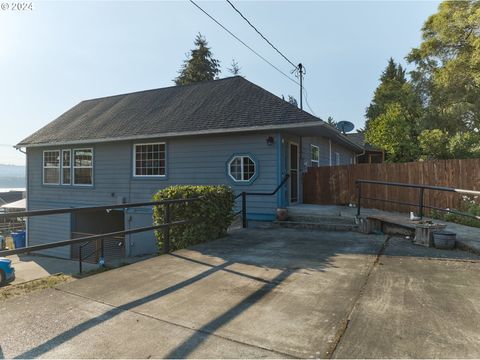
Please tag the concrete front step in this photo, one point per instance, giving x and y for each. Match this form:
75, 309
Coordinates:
323, 219
316, 225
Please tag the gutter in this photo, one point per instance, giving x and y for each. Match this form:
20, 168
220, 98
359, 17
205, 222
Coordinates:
334, 133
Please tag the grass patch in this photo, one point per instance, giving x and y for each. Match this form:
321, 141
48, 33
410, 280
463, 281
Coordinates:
29, 286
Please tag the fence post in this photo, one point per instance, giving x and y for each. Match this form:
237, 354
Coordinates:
244, 210
102, 253
359, 196
166, 230
420, 203
80, 259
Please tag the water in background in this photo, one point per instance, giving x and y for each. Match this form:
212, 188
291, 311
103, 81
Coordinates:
12, 176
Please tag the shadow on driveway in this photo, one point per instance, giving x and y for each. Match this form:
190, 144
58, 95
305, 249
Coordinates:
288, 291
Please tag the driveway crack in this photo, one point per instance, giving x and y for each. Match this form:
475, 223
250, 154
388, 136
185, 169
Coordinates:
346, 322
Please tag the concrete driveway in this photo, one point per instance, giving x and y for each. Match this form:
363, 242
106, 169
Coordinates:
276, 293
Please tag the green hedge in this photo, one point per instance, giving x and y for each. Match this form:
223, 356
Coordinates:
211, 215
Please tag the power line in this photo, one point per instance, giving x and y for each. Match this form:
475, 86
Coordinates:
306, 94
259, 33
306, 101
243, 43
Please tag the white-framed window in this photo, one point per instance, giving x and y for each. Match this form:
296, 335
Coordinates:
83, 167
51, 167
337, 158
242, 168
149, 160
315, 155
66, 167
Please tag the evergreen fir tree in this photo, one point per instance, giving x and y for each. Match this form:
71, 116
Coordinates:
200, 65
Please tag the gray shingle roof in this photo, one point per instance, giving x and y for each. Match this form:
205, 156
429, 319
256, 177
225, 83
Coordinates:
10, 196
213, 105
359, 139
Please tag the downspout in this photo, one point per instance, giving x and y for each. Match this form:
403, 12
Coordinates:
27, 240
330, 152
358, 155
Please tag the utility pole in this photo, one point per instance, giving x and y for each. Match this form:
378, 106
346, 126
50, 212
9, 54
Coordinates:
300, 71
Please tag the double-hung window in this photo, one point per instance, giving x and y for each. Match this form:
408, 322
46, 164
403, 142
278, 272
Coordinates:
66, 167
51, 167
83, 166
315, 155
150, 160
241, 168
60, 167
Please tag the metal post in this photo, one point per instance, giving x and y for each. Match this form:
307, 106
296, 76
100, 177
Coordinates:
80, 259
244, 210
420, 203
359, 197
166, 230
102, 253
300, 70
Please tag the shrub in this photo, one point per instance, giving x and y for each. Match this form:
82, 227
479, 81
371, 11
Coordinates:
210, 216
471, 206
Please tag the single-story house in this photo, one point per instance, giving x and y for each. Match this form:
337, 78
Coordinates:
123, 148
371, 154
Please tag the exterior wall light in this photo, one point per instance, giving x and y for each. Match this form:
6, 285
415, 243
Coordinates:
270, 140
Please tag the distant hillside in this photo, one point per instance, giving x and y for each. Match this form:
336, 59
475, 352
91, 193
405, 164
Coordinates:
12, 176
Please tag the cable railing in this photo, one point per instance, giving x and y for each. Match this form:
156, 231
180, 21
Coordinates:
421, 196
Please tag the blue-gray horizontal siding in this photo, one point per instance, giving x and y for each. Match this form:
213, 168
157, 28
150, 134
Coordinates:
197, 160
346, 155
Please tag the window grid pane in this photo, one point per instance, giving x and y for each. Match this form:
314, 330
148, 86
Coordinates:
66, 167
51, 167
150, 160
83, 167
242, 168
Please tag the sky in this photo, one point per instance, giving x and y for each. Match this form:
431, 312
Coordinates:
62, 52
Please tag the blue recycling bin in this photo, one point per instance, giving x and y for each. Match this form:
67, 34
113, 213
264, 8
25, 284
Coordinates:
19, 239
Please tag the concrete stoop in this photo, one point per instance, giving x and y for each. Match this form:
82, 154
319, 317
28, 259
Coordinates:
319, 222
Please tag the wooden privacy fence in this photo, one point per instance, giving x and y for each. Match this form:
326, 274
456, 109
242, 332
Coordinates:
336, 184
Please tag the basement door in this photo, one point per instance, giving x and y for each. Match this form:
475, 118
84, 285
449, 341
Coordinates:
98, 222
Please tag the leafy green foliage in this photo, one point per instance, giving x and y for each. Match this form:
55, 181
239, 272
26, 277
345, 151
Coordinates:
469, 205
434, 144
200, 66
392, 132
438, 144
210, 216
393, 114
464, 145
447, 74
440, 103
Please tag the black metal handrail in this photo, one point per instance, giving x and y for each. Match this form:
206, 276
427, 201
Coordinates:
421, 205
93, 208
87, 239
244, 195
